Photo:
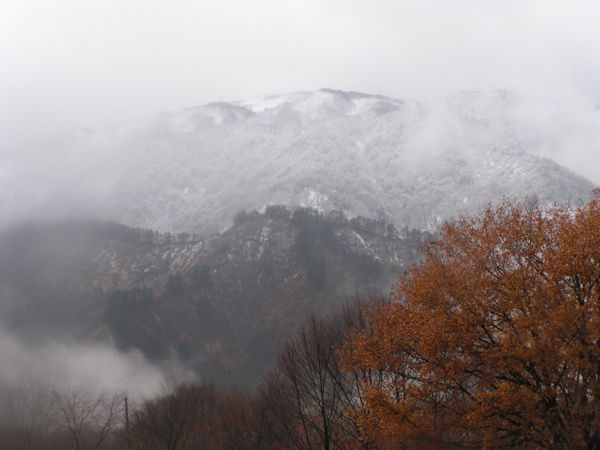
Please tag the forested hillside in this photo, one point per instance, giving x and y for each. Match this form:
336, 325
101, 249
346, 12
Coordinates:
224, 305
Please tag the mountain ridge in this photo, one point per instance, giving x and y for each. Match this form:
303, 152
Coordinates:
224, 306
410, 162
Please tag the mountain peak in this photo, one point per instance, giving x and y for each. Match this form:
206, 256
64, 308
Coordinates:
413, 163
319, 103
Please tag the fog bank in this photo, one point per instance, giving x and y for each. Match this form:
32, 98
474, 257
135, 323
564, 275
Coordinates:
97, 368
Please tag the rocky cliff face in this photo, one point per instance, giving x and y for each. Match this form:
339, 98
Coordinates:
225, 304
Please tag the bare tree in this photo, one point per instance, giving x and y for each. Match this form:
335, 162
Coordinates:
182, 419
308, 394
242, 423
89, 420
26, 419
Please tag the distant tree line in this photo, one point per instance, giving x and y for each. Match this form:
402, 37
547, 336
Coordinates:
110, 230
337, 218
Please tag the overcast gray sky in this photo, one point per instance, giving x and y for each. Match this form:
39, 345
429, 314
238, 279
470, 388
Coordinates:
67, 64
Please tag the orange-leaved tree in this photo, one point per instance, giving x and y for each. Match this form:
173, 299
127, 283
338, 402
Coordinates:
493, 340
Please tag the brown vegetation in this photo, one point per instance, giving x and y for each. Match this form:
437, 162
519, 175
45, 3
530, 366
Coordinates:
494, 339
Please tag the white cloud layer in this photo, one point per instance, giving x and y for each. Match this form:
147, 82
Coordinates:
67, 63
94, 367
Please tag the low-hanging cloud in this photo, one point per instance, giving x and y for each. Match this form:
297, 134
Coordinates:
70, 64
98, 368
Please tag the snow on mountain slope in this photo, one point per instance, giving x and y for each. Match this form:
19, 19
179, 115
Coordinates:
411, 162
225, 305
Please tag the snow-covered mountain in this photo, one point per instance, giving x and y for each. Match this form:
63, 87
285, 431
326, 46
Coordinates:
411, 162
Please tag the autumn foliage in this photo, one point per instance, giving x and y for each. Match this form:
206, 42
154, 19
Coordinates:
493, 340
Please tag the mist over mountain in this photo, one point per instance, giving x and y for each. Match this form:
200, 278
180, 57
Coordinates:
314, 224
414, 163
222, 306
207, 279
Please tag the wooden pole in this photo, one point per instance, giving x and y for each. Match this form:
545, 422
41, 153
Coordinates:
127, 441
